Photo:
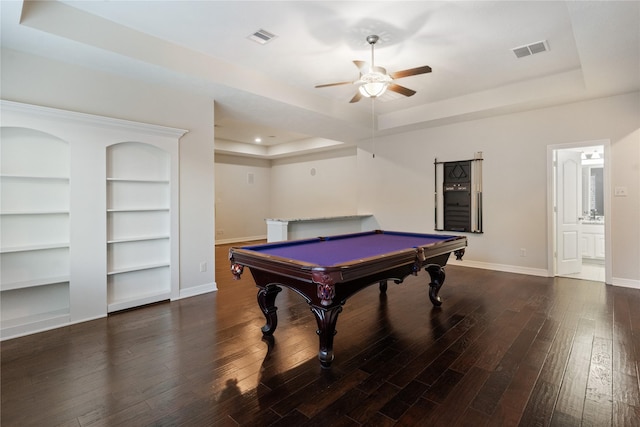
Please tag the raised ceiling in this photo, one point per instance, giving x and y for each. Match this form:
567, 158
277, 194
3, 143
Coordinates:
267, 90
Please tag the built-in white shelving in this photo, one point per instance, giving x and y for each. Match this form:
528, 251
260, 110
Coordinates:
88, 216
138, 225
138, 239
34, 225
34, 282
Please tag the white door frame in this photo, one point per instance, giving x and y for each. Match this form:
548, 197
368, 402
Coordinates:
551, 216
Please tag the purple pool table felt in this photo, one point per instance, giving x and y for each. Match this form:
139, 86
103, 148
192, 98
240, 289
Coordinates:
330, 251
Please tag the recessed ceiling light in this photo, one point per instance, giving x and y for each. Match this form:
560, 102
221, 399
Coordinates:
258, 140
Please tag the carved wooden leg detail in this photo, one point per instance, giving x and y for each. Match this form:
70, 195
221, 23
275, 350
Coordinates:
266, 301
437, 279
326, 319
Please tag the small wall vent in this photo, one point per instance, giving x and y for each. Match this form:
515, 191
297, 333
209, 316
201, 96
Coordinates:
262, 36
530, 49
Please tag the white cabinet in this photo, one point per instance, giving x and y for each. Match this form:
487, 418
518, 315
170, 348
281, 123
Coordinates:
593, 241
599, 246
88, 217
34, 225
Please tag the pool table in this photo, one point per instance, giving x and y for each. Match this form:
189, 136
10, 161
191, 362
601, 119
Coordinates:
326, 271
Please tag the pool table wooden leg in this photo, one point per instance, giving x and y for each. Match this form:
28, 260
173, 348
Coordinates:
326, 319
266, 301
437, 275
383, 286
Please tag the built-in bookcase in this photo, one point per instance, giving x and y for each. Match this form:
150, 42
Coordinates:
88, 216
138, 225
34, 230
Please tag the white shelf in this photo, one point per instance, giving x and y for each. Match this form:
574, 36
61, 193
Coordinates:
139, 194
138, 239
34, 308
34, 283
138, 210
42, 195
41, 247
35, 177
139, 268
36, 318
36, 212
36, 322
143, 181
124, 304
132, 225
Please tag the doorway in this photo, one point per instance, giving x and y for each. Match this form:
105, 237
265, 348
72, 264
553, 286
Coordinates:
579, 205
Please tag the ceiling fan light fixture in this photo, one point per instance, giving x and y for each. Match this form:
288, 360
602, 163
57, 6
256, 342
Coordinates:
373, 84
372, 90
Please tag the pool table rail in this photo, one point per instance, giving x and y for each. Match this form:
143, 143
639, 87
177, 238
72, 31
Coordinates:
358, 267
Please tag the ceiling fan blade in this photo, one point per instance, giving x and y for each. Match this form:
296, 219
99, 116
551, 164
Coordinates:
359, 64
411, 72
356, 97
401, 89
334, 84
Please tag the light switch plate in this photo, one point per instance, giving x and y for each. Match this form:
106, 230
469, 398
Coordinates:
620, 191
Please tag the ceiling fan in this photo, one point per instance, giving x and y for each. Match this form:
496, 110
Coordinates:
374, 82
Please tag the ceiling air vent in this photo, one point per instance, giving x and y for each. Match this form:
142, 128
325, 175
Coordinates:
530, 49
262, 36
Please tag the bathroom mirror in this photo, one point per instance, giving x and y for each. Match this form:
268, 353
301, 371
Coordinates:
592, 192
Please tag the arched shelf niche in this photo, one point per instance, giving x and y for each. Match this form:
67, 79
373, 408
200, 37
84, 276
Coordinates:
34, 225
139, 225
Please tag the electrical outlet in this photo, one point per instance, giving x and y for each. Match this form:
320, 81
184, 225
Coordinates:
523, 252
219, 232
203, 267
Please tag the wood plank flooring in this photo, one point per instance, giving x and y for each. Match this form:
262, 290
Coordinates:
503, 350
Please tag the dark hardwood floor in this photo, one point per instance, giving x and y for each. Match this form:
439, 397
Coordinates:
503, 350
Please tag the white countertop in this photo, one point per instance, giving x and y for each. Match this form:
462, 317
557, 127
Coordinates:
321, 218
593, 221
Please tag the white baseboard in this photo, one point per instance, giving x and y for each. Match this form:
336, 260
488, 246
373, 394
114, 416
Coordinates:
617, 281
626, 283
29, 329
198, 290
239, 239
500, 267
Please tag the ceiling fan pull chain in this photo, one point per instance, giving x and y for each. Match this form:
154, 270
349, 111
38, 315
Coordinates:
373, 127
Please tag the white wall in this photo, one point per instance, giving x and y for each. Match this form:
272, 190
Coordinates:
243, 191
282, 188
397, 185
299, 192
36, 80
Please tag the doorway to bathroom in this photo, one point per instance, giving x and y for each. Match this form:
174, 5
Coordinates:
579, 203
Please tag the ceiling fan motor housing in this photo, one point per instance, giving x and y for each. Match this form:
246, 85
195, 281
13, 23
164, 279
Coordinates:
372, 39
